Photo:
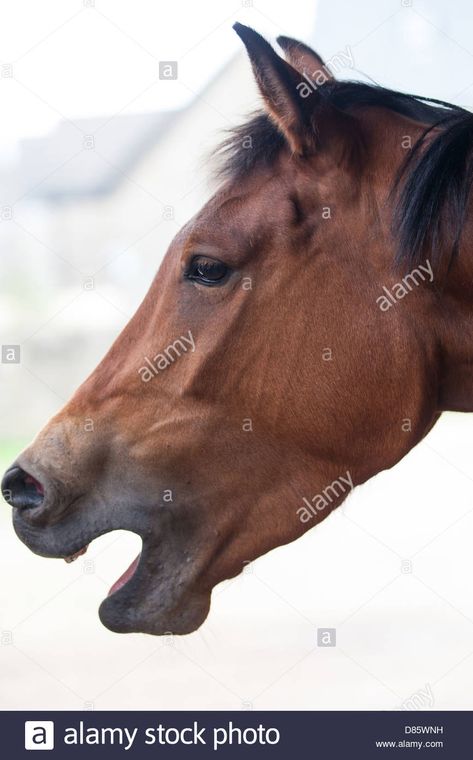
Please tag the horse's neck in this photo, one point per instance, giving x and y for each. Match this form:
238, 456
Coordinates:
455, 330
456, 391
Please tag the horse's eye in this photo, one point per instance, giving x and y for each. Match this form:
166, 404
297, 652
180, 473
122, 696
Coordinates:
207, 271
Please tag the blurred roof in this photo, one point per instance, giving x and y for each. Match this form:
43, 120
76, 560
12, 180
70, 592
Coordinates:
88, 157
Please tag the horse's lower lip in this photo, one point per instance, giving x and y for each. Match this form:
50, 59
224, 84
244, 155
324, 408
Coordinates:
127, 576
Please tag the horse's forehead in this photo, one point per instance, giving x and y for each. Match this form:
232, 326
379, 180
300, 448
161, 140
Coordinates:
245, 201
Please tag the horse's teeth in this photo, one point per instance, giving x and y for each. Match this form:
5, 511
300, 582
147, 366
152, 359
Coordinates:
73, 557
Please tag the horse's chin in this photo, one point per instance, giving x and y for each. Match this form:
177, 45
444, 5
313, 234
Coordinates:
127, 612
154, 595
149, 598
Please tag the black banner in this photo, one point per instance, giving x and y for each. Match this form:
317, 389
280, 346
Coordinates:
225, 735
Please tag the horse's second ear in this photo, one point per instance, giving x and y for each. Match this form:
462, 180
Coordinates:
280, 84
305, 60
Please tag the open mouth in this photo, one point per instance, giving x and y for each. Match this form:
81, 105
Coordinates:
126, 576
156, 594
121, 581
27, 493
59, 544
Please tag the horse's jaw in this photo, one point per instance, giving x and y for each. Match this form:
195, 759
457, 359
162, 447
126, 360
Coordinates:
157, 594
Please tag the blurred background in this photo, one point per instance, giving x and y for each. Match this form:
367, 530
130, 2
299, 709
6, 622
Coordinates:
110, 111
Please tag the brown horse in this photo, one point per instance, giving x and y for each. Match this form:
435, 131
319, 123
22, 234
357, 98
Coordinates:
304, 332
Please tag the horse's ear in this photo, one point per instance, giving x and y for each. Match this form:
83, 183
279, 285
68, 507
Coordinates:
305, 60
280, 84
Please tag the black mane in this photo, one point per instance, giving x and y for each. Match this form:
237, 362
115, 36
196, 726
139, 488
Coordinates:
432, 187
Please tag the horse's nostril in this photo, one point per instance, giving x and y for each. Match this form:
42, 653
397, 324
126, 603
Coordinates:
22, 490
